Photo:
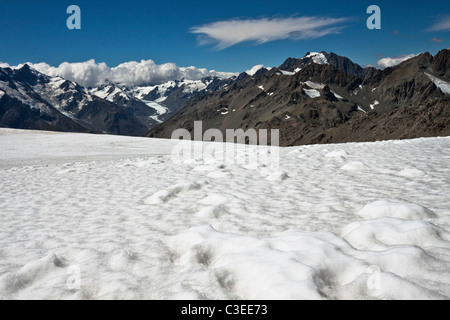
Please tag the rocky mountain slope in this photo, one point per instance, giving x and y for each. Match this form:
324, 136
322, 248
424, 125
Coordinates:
325, 98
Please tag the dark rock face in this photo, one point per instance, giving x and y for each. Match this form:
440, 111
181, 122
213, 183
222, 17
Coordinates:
15, 114
328, 103
106, 117
441, 63
348, 66
152, 95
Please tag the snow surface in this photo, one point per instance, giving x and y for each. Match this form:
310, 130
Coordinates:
312, 93
109, 217
441, 84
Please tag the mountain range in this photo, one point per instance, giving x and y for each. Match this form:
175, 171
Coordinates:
326, 98
32, 100
320, 98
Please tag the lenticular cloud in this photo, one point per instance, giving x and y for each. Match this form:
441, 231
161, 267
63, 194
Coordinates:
231, 32
133, 73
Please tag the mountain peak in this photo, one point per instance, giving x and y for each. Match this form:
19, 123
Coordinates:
26, 74
25, 68
317, 57
325, 58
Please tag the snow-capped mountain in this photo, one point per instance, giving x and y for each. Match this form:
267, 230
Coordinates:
325, 58
325, 98
32, 100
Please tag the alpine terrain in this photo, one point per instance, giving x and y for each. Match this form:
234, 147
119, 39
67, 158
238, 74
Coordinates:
32, 100
326, 98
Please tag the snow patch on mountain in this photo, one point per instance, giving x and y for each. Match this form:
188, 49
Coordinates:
109, 93
312, 93
317, 57
290, 73
375, 103
441, 84
191, 86
287, 73
314, 85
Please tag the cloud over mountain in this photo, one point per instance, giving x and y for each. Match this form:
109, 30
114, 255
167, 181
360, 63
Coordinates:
91, 74
391, 62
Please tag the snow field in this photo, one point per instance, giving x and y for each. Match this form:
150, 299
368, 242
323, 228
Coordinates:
104, 217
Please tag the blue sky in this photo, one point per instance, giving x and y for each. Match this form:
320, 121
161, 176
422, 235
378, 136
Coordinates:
118, 31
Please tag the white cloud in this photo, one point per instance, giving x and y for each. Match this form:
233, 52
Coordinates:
231, 32
4, 65
441, 25
255, 69
391, 62
91, 74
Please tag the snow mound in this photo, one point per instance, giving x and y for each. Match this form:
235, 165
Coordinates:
252, 268
396, 209
299, 265
412, 173
336, 154
379, 234
165, 195
29, 274
214, 211
407, 262
277, 176
216, 199
354, 166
